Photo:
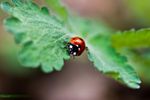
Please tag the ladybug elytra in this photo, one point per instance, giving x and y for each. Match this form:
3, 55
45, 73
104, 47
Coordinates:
76, 46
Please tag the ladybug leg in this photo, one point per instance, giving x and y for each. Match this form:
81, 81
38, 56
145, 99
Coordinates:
65, 42
72, 56
67, 45
86, 48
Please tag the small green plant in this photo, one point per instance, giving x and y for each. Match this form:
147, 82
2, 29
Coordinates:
42, 39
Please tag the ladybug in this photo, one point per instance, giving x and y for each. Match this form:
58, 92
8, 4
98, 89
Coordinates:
76, 46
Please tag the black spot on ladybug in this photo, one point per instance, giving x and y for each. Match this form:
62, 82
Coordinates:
72, 49
76, 46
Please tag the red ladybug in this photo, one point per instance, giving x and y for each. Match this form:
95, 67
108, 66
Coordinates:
76, 46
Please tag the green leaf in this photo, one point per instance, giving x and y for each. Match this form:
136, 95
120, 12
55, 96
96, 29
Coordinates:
101, 53
108, 61
58, 8
41, 36
132, 39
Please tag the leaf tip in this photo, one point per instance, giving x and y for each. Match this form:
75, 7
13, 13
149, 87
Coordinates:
47, 69
135, 84
5, 6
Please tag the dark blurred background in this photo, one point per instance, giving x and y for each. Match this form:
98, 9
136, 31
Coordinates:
78, 80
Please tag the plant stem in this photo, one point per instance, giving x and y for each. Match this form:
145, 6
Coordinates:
5, 96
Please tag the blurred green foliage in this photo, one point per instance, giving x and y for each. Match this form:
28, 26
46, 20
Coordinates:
58, 8
140, 8
141, 62
132, 39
